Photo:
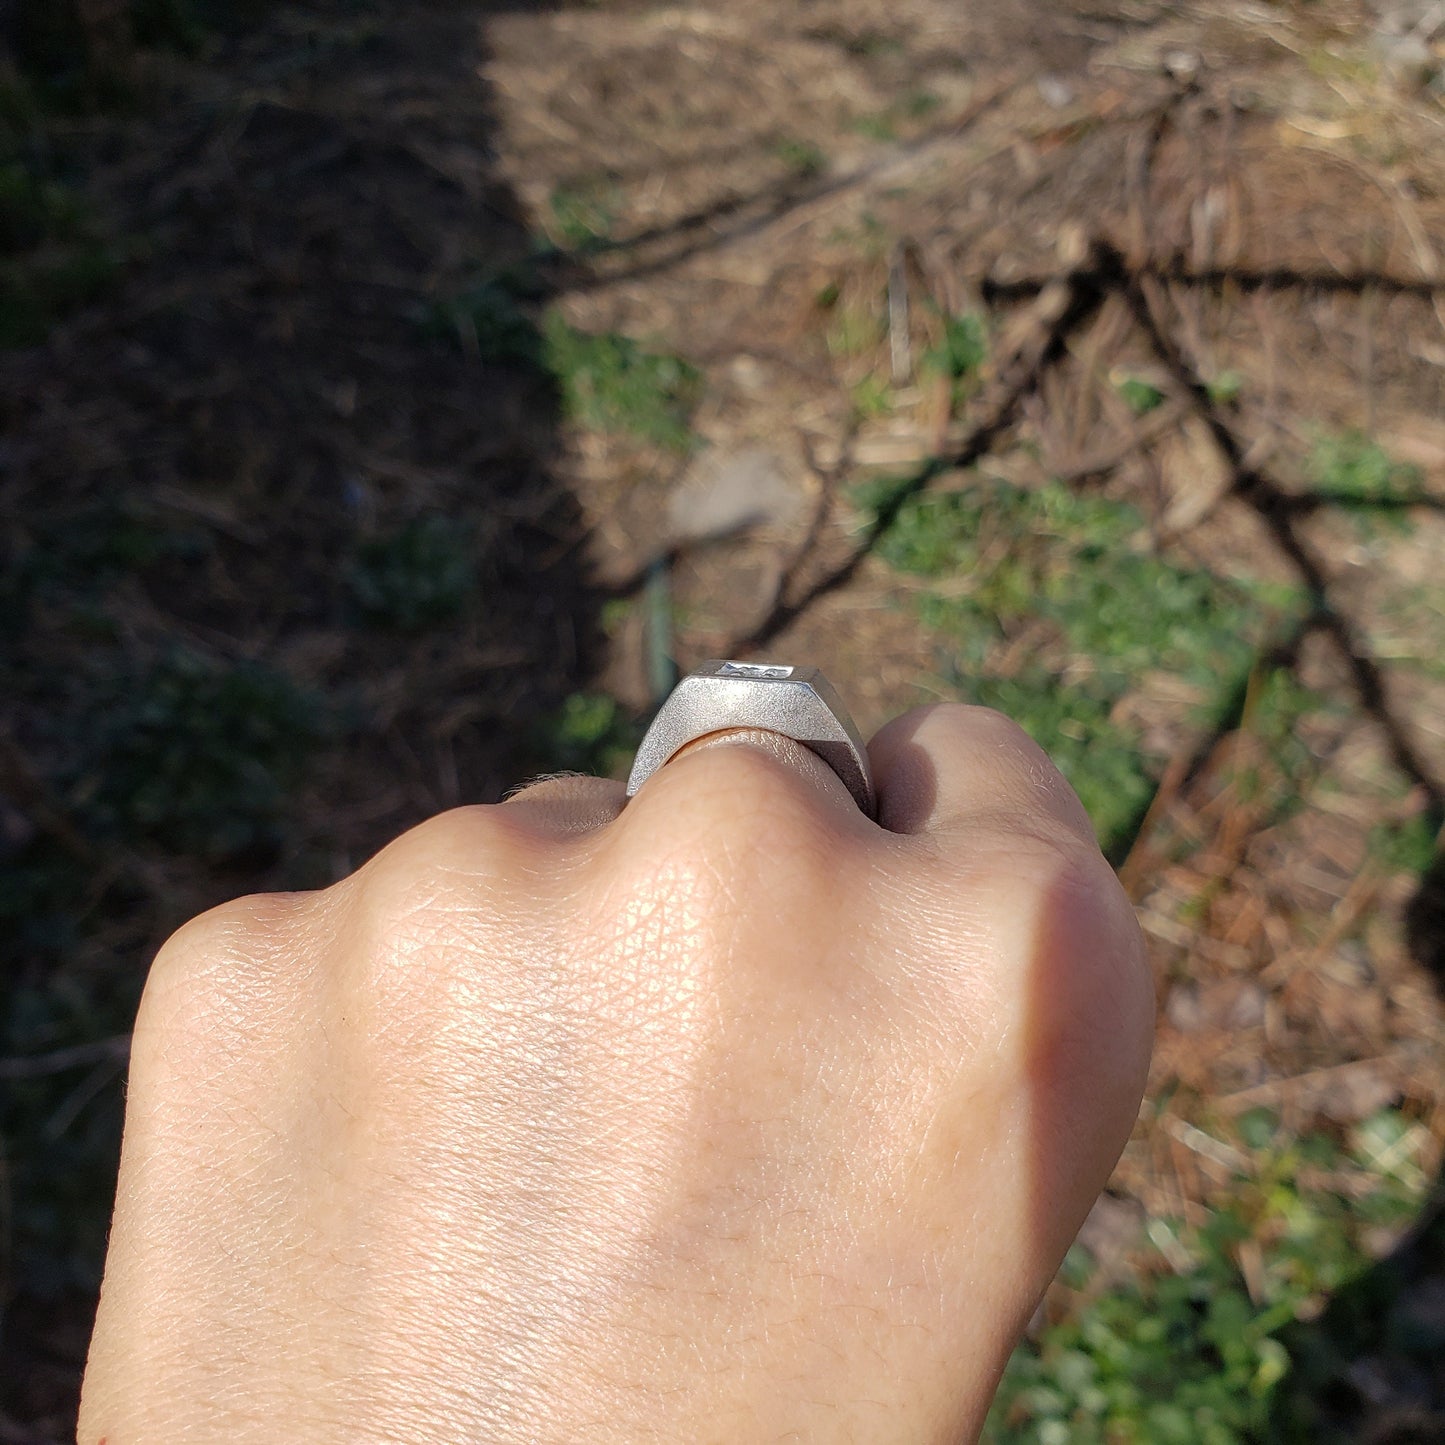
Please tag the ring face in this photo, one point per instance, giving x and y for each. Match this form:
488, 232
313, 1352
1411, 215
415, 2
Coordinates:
798, 702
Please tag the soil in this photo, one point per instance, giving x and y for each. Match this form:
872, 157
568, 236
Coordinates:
1120, 185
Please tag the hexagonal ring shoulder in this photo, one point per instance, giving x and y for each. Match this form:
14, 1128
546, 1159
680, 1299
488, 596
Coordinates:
798, 702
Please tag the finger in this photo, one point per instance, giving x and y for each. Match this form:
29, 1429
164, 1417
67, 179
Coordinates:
727, 759
947, 766
563, 805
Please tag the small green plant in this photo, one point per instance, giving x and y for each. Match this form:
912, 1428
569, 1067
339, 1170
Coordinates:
918, 104
34, 210
1079, 560
583, 216
878, 127
72, 563
1140, 396
610, 383
853, 330
590, 734
195, 755
1353, 471
1225, 388
960, 352
616, 613
867, 236
1277, 708
1071, 573
415, 577
1198, 1355
872, 398
802, 158
1408, 847
488, 323
37, 292
52, 261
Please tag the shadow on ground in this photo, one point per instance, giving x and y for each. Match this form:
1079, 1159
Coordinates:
289, 560
1371, 1369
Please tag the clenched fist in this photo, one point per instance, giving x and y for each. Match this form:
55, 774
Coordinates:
724, 1115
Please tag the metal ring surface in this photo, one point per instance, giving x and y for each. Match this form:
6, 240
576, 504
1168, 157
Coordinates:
798, 702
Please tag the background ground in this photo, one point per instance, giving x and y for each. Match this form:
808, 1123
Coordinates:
391, 402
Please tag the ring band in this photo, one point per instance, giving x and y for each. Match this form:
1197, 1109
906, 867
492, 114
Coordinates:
798, 702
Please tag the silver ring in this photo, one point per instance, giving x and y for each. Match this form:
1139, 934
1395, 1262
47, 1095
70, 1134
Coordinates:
798, 702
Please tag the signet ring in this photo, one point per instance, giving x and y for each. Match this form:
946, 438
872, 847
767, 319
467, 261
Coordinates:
798, 702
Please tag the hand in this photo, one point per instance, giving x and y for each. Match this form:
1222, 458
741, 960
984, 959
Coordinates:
728, 1115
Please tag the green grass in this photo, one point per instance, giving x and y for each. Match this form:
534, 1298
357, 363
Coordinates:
1350, 470
919, 104
961, 351
582, 216
34, 209
1408, 847
880, 127
854, 329
1071, 575
605, 381
904, 113
1075, 726
187, 755
872, 398
69, 563
38, 292
870, 44
415, 577
612, 384
591, 734
1225, 388
53, 261
1357, 476
1191, 1353
194, 755
1139, 395
802, 158
488, 322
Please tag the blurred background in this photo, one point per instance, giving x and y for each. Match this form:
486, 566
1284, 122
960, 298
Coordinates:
394, 397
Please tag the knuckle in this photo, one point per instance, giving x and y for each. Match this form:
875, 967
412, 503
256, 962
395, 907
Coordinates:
712, 854
1011, 744
976, 726
237, 934
216, 967
740, 806
424, 916
1027, 776
458, 849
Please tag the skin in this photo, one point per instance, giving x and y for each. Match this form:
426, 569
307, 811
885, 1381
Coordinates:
727, 1115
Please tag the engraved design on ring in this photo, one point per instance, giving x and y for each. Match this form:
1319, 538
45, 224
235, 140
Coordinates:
798, 702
